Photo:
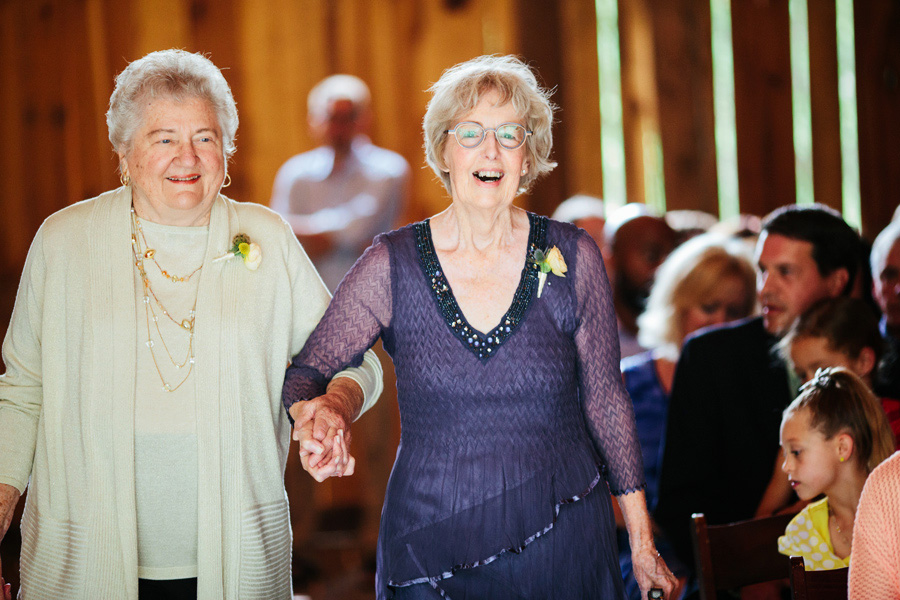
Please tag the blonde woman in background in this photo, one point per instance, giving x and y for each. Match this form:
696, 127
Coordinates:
708, 280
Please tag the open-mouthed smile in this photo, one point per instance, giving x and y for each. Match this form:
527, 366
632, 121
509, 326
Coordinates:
488, 176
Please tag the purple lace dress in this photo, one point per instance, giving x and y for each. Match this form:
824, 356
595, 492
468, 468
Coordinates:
497, 489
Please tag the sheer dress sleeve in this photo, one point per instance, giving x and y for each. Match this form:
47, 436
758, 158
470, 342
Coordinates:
358, 313
608, 411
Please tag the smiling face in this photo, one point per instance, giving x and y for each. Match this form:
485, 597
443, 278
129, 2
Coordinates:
810, 460
486, 176
789, 282
176, 162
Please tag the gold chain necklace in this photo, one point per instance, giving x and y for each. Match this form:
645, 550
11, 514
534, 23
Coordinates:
838, 527
151, 253
185, 324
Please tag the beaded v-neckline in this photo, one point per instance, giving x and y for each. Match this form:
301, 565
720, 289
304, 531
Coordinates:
483, 345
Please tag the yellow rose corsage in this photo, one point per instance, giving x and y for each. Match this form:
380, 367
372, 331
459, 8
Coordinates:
548, 261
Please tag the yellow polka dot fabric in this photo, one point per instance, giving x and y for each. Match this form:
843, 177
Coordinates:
807, 535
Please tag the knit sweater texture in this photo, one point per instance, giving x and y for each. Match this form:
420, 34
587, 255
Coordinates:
875, 570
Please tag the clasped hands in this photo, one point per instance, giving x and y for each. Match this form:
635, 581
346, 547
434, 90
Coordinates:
322, 427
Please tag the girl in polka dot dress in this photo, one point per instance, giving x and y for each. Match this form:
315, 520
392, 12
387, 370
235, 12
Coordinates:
832, 435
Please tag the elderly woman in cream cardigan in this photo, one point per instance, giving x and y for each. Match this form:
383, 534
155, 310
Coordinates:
145, 357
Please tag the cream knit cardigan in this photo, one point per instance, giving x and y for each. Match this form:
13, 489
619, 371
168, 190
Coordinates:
67, 402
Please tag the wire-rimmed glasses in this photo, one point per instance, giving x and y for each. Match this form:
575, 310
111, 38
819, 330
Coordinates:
469, 134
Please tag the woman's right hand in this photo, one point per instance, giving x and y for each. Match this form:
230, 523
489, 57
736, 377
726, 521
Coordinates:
322, 428
9, 498
5, 588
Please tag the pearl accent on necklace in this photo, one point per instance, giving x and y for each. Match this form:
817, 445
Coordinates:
137, 234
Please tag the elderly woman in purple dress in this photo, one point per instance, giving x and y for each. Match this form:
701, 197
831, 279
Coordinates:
515, 421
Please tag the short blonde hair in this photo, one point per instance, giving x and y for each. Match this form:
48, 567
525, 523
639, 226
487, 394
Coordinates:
687, 276
459, 90
174, 74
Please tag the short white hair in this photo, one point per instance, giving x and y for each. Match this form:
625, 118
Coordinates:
174, 74
333, 88
580, 206
462, 87
881, 247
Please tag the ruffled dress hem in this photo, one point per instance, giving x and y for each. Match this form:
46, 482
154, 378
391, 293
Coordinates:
432, 580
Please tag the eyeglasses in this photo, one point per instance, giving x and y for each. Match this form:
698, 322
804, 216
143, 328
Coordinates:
508, 135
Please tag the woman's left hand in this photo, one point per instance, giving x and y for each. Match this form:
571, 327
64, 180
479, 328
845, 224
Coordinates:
322, 429
650, 571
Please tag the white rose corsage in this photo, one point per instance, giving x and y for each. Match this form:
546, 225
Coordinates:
548, 261
249, 251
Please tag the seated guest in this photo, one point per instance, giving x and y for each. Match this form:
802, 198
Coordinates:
636, 243
835, 332
689, 223
840, 332
583, 211
875, 570
729, 389
884, 260
832, 435
707, 281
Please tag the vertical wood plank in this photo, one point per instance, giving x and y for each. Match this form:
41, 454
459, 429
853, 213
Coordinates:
544, 53
89, 163
441, 37
763, 112
44, 111
682, 39
826, 117
580, 118
877, 33
639, 107
213, 29
160, 24
13, 186
100, 85
397, 98
282, 55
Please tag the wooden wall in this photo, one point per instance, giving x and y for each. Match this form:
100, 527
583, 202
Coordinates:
58, 59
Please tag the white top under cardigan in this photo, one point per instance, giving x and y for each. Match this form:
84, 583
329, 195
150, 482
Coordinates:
67, 402
165, 422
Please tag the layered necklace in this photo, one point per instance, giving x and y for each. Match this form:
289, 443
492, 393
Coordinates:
153, 307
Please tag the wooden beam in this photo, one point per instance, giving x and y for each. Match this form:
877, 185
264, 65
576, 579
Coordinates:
13, 184
763, 112
544, 52
640, 123
580, 117
877, 33
824, 102
682, 39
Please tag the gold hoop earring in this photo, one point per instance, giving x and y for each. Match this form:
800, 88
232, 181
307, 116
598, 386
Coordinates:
227, 180
125, 179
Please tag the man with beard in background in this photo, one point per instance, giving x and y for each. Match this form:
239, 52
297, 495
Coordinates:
636, 243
